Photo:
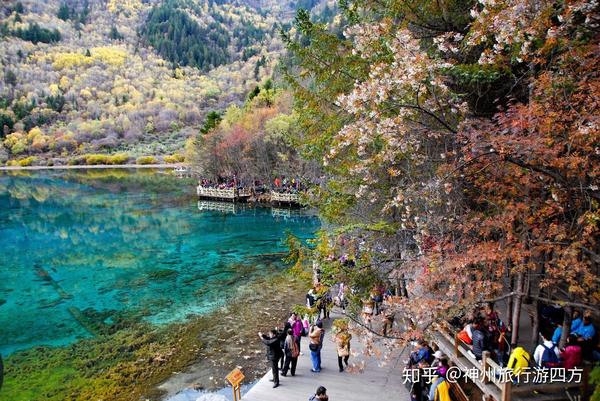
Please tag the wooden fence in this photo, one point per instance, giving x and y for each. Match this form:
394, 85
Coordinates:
230, 194
492, 386
285, 197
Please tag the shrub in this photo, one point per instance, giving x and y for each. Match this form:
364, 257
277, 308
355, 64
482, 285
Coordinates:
119, 158
146, 160
76, 161
99, 159
175, 158
28, 161
96, 159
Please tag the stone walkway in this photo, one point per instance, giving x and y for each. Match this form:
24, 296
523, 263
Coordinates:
376, 383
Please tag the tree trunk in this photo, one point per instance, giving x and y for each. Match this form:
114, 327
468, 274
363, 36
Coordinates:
518, 300
566, 327
509, 303
535, 326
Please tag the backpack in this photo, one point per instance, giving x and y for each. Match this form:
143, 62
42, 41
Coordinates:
295, 350
549, 357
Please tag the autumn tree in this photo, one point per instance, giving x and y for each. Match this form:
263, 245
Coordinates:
457, 138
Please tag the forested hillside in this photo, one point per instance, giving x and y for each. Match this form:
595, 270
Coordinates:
136, 78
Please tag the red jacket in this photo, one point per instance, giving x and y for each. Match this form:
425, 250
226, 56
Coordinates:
571, 356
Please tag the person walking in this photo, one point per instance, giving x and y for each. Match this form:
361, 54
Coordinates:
274, 353
316, 343
342, 342
297, 328
282, 336
320, 395
291, 352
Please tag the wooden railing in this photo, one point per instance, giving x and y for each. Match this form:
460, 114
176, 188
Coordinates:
285, 197
488, 383
226, 193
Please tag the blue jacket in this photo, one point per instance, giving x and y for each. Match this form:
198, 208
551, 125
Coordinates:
557, 334
585, 331
575, 324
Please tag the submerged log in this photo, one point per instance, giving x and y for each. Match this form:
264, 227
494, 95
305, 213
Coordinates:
83, 321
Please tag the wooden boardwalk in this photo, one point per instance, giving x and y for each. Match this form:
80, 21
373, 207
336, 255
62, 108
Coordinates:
376, 383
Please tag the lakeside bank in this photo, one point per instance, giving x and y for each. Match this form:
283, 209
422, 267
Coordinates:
134, 360
90, 167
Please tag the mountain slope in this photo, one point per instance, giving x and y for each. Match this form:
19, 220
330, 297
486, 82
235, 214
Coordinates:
103, 87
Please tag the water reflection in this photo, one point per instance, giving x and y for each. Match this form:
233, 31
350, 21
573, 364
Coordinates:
215, 206
76, 244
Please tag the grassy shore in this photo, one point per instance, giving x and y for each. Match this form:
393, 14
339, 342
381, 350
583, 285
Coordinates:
131, 358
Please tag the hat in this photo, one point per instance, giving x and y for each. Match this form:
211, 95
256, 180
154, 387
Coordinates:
438, 354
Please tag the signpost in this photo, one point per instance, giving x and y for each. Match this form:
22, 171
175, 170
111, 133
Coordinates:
235, 377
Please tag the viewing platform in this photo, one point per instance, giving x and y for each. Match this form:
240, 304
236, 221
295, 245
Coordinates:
226, 194
286, 198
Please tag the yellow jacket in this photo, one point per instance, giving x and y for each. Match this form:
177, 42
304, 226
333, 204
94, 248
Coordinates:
442, 392
519, 359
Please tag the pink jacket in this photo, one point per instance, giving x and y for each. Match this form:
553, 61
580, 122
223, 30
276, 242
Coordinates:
571, 356
297, 328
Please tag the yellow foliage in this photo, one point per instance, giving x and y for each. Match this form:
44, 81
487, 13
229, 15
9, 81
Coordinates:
109, 55
64, 84
190, 150
85, 93
33, 133
146, 160
28, 161
40, 142
175, 158
99, 159
13, 138
70, 60
54, 89
125, 6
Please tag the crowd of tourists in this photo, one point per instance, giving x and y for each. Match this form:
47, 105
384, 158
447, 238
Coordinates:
581, 344
220, 183
431, 366
287, 185
485, 331
284, 346
280, 184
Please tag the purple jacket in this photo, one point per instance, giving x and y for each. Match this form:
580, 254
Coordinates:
297, 328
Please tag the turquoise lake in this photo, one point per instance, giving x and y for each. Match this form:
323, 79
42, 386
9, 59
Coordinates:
99, 243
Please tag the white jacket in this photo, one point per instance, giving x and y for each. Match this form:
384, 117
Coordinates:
539, 351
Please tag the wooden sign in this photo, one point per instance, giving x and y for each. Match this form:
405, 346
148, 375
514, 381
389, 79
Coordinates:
235, 377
